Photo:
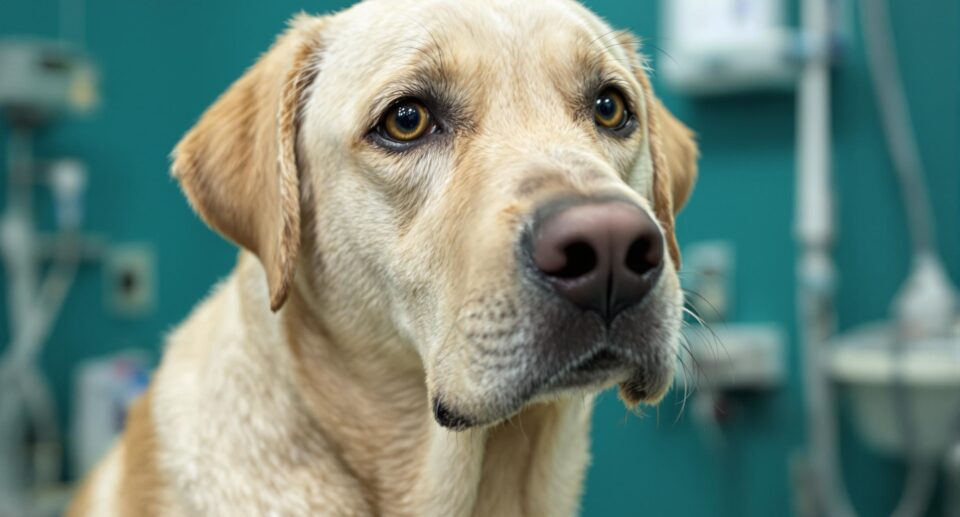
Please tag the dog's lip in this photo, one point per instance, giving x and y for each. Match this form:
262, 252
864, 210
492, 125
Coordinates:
599, 366
598, 369
603, 359
447, 417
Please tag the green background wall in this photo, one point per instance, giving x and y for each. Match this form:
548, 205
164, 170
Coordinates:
164, 61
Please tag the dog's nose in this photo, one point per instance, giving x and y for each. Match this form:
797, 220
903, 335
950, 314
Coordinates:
603, 257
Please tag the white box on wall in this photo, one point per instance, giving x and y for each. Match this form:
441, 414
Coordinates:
727, 46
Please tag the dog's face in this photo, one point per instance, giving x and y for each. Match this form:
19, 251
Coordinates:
492, 182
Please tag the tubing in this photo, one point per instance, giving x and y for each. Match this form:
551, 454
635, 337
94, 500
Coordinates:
902, 143
18, 228
897, 128
23, 386
25, 395
815, 268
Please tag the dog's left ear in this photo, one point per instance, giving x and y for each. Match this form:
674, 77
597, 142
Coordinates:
674, 152
238, 165
673, 149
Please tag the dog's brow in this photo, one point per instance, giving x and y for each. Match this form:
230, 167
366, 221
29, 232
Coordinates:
424, 75
595, 67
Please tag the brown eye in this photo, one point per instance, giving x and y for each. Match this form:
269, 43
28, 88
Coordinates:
610, 110
406, 121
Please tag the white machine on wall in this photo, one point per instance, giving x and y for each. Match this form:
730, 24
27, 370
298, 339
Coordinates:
728, 46
39, 82
902, 377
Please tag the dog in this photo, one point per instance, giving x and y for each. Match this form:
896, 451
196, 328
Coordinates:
456, 222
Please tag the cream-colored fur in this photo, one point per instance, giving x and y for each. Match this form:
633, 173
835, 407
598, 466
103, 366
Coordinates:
375, 285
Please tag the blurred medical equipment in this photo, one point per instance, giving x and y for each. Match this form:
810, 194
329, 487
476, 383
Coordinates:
104, 388
39, 81
905, 374
722, 46
723, 359
902, 376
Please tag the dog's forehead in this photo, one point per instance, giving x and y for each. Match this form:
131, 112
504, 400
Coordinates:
381, 37
493, 17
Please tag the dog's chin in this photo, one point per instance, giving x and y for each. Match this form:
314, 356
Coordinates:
638, 384
642, 388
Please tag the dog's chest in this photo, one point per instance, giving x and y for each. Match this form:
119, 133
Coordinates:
535, 464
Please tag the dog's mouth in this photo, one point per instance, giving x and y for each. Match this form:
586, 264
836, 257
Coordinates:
595, 368
602, 360
597, 371
593, 372
557, 353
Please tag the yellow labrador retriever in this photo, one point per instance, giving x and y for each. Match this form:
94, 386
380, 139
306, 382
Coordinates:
457, 221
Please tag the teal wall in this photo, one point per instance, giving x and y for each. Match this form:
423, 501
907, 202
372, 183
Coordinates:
164, 61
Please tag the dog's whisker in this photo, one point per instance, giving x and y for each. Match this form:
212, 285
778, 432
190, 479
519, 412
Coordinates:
704, 300
686, 390
691, 311
685, 345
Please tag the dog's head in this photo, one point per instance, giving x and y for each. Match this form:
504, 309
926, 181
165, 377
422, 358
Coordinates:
492, 183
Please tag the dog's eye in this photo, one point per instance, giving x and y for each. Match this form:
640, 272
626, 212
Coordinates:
610, 110
406, 121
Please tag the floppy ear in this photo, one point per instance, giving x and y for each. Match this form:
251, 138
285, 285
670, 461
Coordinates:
680, 152
238, 165
674, 152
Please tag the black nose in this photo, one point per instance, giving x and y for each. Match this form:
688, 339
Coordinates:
603, 257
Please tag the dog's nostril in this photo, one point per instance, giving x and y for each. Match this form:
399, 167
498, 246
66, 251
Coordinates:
580, 260
641, 256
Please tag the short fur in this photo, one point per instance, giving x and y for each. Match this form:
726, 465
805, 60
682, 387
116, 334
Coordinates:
377, 290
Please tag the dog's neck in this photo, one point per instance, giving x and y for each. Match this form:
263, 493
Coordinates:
367, 396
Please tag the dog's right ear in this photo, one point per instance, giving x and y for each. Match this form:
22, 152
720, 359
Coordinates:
238, 165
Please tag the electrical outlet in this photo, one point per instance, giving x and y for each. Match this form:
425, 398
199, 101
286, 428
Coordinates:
129, 280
